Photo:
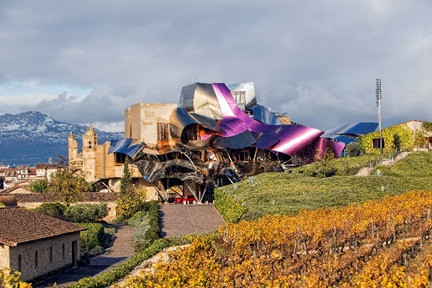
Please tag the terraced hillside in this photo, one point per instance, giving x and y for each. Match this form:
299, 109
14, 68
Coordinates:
305, 188
381, 243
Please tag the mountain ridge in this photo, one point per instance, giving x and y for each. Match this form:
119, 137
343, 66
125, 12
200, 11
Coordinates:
32, 137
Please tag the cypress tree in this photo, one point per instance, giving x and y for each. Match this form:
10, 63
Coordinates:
126, 180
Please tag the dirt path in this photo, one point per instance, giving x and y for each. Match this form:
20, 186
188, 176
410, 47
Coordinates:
121, 250
179, 219
366, 171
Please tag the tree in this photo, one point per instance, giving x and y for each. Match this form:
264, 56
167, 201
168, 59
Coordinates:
131, 201
396, 142
126, 180
39, 186
11, 278
354, 149
325, 166
69, 186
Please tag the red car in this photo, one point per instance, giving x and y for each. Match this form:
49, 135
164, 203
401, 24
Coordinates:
189, 199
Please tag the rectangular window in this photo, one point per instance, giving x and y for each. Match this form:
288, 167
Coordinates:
120, 158
36, 259
376, 143
162, 130
51, 254
240, 98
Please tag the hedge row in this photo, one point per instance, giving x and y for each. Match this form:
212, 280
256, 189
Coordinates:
148, 230
228, 207
93, 237
120, 271
83, 213
80, 213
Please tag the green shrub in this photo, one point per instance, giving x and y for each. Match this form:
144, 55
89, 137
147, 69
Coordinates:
136, 219
154, 230
228, 207
354, 149
107, 278
92, 237
98, 250
110, 230
85, 213
139, 239
131, 201
148, 229
56, 210
39, 186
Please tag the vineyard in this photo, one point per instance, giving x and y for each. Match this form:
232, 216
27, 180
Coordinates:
381, 243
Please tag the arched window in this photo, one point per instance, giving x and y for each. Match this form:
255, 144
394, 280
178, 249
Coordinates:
36, 259
51, 254
19, 263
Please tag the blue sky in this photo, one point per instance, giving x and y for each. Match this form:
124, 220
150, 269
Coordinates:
83, 62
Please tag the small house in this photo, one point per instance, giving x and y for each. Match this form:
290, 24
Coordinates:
37, 244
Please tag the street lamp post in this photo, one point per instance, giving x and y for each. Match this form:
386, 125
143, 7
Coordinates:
378, 95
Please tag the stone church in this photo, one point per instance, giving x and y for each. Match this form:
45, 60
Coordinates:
95, 164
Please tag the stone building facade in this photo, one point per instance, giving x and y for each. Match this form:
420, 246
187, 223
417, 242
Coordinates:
36, 244
147, 121
96, 164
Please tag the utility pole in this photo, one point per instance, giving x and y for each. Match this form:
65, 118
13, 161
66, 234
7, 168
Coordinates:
378, 95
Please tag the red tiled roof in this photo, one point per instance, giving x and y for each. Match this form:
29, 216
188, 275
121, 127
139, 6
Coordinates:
52, 166
19, 225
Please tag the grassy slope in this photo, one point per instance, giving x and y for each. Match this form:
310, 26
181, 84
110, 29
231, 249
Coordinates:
344, 166
288, 193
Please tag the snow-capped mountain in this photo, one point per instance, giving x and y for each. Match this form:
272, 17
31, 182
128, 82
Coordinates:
32, 137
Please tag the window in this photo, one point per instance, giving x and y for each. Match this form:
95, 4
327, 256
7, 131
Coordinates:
243, 156
162, 130
376, 143
89, 144
19, 263
120, 158
240, 98
63, 251
36, 259
51, 255
190, 133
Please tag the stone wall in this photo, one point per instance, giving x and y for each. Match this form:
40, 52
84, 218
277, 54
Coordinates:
50, 255
4, 256
141, 120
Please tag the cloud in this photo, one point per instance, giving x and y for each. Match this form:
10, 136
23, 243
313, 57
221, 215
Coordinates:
317, 61
101, 105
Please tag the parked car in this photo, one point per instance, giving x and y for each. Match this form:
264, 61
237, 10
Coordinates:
188, 199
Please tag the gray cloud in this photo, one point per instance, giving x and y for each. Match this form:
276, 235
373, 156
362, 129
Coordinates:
316, 60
